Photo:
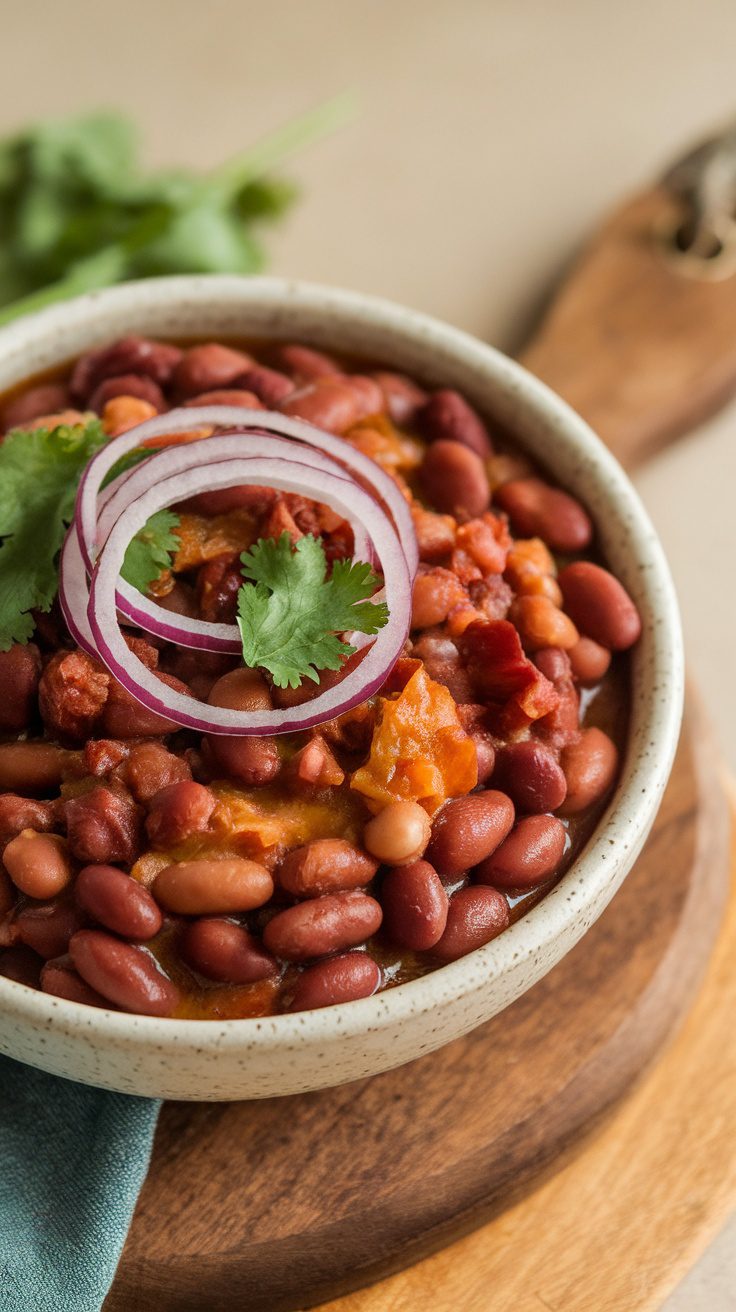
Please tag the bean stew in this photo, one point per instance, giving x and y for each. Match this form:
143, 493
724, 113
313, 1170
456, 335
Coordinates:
161, 871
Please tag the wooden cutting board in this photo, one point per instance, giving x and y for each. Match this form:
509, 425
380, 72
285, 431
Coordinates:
283, 1203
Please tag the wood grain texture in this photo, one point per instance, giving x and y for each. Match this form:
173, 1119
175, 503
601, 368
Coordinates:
643, 351
278, 1204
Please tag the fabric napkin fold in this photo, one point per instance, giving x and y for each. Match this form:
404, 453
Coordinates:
72, 1162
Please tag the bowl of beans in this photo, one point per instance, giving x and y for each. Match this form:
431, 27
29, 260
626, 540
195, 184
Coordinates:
341, 679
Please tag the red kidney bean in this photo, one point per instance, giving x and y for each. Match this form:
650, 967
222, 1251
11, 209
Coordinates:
32, 767
182, 600
415, 906
599, 605
454, 479
102, 755
8, 893
537, 510
485, 752
252, 761
137, 385
210, 887
122, 973
590, 767
326, 865
227, 396
589, 661
322, 925
530, 774
399, 833
22, 965
149, 768
467, 830
448, 417
270, 386
20, 671
46, 399
346, 978
208, 368
243, 496
443, 664
224, 951
528, 857
48, 928
71, 695
124, 717
329, 403
402, 397
305, 364
38, 864
129, 355
474, 917
218, 584
554, 664
60, 979
17, 813
179, 811
118, 902
103, 827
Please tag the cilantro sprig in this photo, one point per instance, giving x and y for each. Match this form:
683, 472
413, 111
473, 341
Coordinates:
151, 550
290, 620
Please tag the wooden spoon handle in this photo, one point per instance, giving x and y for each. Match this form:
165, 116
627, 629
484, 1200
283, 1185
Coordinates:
639, 346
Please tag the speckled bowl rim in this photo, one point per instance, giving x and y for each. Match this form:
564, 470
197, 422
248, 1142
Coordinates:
596, 874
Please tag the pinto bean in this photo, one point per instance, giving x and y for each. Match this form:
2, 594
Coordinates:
474, 917
126, 975
48, 928
415, 906
227, 396
17, 813
436, 591
467, 830
38, 864
399, 833
129, 355
528, 857
224, 951
118, 902
270, 386
103, 827
322, 925
210, 887
125, 717
599, 605
326, 865
71, 695
179, 811
403, 398
346, 978
590, 765
530, 774
329, 403
20, 670
250, 760
538, 510
542, 624
305, 364
32, 767
21, 965
41, 400
60, 979
138, 386
208, 368
123, 412
589, 661
454, 480
149, 768
447, 416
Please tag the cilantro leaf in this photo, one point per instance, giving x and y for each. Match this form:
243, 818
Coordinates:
39, 473
151, 549
290, 619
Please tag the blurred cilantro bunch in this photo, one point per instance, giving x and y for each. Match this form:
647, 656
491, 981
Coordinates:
78, 212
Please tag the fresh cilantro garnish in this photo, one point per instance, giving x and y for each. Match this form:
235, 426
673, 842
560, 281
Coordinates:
151, 549
39, 473
290, 620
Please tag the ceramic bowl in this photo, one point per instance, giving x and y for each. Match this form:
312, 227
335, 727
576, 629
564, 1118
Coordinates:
310, 1050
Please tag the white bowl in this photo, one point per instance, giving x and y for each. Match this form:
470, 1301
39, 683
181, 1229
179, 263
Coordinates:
310, 1050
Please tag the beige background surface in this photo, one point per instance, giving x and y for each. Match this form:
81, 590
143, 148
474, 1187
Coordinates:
490, 136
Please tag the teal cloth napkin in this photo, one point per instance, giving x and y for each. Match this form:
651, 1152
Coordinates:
72, 1161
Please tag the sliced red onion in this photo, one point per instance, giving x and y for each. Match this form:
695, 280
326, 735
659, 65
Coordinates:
74, 593
346, 499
